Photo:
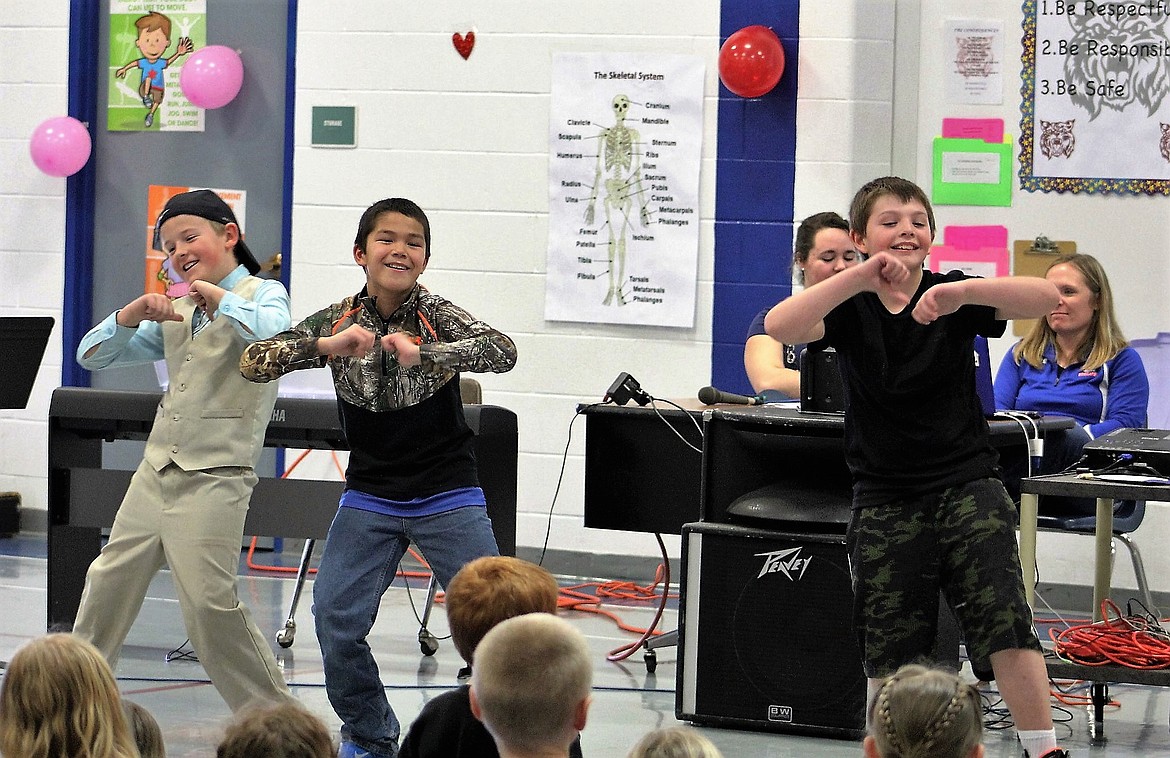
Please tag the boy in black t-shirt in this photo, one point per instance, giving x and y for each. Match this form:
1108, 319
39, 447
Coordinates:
930, 511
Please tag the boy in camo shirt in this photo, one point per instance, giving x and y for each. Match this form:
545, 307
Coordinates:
395, 351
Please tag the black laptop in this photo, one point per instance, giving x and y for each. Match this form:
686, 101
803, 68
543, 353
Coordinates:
22, 345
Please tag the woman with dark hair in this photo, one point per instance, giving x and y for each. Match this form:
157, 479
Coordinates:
822, 248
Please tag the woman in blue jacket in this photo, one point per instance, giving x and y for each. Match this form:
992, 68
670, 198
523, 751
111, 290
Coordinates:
1076, 362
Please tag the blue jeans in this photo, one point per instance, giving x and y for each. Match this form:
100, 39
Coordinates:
361, 558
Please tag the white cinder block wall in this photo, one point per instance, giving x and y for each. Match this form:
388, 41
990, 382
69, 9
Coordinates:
34, 61
467, 140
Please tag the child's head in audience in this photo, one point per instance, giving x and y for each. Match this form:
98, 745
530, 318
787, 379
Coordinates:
59, 698
283, 730
491, 589
675, 742
923, 712
147, 734
530, 684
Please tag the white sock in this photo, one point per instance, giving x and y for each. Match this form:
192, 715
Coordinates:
1037, 742
873, 687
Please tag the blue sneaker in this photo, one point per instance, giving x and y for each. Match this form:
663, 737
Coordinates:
350, 750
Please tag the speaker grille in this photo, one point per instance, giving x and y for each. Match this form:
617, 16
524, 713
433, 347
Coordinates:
766, 638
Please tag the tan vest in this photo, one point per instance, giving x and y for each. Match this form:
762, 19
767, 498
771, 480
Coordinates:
210, 415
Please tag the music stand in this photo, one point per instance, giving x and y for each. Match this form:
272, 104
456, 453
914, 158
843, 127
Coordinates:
22, 344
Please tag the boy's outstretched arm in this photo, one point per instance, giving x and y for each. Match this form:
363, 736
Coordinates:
1011, 296
800, 318
128, 335
269, 359
185, 46
465, 344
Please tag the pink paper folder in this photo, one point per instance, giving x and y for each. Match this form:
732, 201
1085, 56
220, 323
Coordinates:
987, 262
975, 237
986, 129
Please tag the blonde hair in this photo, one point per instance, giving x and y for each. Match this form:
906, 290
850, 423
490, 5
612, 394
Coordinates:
1104, 339
675, 742
531, 674
922, 712
59, 700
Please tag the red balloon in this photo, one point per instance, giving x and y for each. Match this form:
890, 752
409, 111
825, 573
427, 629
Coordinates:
751, 61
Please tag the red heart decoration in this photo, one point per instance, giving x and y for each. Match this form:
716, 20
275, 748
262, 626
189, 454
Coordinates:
463, 44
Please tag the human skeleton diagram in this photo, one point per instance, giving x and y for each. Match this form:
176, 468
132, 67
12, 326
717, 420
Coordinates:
619, 157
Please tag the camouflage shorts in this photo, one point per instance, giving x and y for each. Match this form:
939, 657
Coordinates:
961, 541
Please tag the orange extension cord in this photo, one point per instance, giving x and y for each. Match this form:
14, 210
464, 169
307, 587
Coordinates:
575, 597
1135, 642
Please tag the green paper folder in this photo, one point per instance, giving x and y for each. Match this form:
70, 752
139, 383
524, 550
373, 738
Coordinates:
972, 172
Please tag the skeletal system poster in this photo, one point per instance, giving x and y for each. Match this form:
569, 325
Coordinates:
625, 141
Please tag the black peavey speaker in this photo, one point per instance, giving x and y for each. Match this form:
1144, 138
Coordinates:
765, 633
766, 636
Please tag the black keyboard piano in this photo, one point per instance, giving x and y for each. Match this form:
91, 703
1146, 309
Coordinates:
84, 497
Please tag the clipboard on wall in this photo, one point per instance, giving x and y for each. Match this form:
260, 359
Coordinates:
1032, 258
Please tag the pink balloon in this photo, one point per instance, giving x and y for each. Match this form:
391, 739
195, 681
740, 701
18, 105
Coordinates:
211, 77
60, 146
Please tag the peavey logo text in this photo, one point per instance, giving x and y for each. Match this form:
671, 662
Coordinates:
787, 562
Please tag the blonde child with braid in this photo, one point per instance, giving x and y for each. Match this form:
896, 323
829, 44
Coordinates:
923, 712
675, 742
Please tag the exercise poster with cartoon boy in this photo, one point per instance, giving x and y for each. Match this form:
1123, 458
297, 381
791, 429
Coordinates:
149, 42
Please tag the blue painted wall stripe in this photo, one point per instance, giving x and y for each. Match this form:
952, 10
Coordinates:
79, 192
755, 176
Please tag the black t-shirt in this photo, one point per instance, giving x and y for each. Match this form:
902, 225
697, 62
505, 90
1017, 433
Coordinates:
913, 421
415, 451
445, 727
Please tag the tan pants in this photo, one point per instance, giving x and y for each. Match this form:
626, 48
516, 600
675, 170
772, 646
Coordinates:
194, 522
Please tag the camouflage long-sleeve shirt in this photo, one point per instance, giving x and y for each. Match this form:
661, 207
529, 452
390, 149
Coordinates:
452, 341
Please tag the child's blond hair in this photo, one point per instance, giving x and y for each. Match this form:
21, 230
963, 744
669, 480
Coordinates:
59, 697
675, 742
923, 712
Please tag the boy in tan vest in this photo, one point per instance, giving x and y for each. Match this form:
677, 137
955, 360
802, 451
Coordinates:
186, 503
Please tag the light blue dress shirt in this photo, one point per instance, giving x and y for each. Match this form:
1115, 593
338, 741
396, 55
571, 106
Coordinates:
260, 318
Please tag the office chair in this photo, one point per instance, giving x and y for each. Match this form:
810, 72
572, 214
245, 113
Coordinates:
471, 393
1127, 517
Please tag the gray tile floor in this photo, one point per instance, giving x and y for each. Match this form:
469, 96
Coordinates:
627, 702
